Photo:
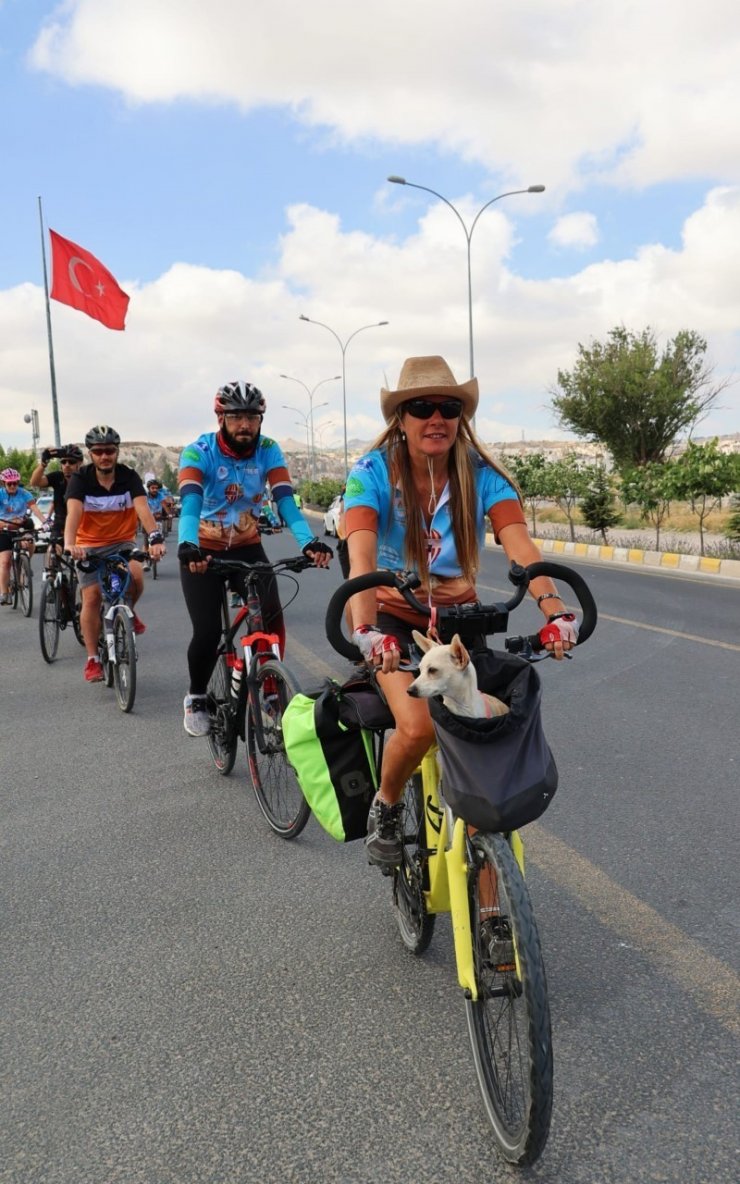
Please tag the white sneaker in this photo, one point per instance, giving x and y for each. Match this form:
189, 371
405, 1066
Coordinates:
197, 721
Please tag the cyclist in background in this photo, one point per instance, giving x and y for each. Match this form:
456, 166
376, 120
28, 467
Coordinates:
160, 503
222, 479
70, 458
420, 500
16, 507
104, 502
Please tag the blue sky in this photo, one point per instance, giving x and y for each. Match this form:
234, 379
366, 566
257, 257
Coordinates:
228, 162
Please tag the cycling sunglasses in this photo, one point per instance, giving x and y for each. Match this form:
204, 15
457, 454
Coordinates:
425, 408
103, 451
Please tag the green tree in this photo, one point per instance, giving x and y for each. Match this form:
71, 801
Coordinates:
320, 493
530, 473
169, 477
567, 483
649, 488
702, 476
622, 394
598, 507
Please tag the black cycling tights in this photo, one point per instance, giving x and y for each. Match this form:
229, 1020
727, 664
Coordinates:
203, 600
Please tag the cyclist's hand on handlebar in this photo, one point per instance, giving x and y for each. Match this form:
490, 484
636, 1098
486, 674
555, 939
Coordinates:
318, 552
193, 558
77, 552
560, 634
379, 649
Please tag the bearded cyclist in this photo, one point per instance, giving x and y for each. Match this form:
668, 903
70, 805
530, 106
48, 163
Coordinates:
70, 458
222, 478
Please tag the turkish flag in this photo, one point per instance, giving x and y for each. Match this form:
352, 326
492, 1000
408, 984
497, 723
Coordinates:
80, 280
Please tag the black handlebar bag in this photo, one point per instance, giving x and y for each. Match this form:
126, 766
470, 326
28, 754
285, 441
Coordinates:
497, 774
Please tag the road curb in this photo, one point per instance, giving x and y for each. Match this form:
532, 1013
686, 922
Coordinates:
666, 560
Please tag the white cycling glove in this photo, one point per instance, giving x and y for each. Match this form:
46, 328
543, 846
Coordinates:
373, 644
562, 627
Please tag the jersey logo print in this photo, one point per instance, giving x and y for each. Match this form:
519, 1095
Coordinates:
232, 492
433, 540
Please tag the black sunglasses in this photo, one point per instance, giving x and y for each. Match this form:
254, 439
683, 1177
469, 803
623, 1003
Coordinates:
425, 408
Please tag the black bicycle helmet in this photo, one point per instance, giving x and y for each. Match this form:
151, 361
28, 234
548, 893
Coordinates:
102, 434
239, 396
73, 453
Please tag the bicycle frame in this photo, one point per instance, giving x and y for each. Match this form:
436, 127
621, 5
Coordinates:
448, 861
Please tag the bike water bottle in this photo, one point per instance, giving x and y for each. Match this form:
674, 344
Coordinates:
237, 672
115, 583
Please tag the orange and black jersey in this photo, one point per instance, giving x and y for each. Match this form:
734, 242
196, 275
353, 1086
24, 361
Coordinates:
108, 515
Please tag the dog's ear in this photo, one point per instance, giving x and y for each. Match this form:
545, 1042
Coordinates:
425, 644
458, 653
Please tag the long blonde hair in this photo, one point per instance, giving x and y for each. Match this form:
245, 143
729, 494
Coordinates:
463, 495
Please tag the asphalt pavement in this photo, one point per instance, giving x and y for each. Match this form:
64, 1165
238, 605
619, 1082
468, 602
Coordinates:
187, 998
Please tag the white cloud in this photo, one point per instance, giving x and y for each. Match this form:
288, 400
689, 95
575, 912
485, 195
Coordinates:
195, 327
552, 89
579, 230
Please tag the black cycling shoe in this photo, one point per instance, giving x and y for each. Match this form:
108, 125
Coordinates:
384, 843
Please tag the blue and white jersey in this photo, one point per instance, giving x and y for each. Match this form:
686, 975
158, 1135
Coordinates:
232, 489
369, 488
155, 502
14, 505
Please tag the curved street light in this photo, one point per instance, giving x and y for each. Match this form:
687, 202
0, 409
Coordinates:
311, 392
307, 420
468, 234
343, 346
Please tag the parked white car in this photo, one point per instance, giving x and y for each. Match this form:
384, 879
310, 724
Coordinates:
332, 515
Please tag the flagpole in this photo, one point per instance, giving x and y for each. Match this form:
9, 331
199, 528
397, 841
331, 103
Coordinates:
54, 405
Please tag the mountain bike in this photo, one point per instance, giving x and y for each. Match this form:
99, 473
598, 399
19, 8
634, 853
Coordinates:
448, 866
60, 603
117, 641
247, 693
21, 573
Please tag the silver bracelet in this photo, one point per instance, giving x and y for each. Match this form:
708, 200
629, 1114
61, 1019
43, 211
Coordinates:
547, 596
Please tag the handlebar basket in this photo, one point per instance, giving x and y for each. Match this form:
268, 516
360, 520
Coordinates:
497, 774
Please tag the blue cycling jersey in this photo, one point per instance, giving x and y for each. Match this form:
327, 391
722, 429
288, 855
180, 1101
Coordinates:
369, 485
229, 490
155, 503
14, 505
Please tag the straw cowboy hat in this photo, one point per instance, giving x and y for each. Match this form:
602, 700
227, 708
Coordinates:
428, 376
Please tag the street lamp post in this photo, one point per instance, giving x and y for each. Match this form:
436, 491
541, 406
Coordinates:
311, 393
468, 235
343, 347
308, 424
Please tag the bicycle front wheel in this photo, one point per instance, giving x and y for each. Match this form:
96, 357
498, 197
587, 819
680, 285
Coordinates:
222, 738
74, 593
25, 585
124, 669
49, 620
509, 1022
275, 784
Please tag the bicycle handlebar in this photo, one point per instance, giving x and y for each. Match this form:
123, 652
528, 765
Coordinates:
466, 619
93, 562
293, 563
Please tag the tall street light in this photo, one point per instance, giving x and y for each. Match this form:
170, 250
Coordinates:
468, 235
311, 393
307, 420
343, 346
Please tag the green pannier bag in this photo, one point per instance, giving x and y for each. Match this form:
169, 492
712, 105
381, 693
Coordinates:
329, 738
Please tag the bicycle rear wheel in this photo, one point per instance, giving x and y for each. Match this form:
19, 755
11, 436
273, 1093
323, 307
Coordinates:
275, 785
222, 738
415, 924
49, 610
124, 669
25, 585
509, 1023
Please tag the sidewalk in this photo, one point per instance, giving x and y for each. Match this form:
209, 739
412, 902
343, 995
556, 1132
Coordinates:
665, 560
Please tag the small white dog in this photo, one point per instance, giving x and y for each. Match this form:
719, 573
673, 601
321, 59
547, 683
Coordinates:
446, 670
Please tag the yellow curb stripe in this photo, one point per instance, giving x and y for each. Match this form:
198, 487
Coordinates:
713, 985
606, 551
636, 555
706, 564
669, 559
558, 545
581, 548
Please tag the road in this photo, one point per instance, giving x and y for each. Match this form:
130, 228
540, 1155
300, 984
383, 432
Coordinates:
187, 998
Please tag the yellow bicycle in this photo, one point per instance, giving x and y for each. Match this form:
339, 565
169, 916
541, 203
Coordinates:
448, 866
